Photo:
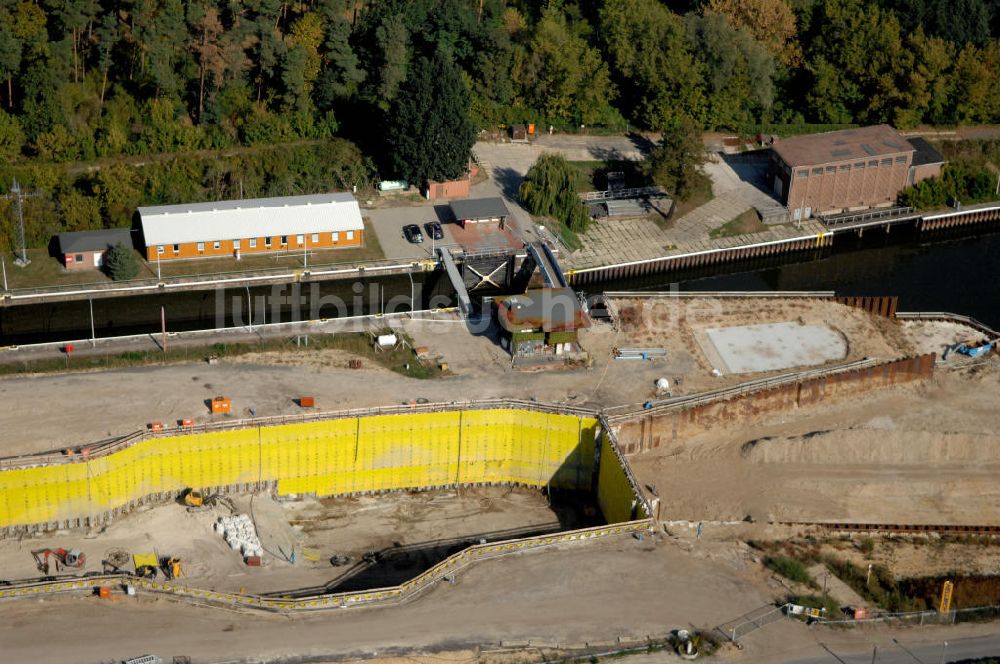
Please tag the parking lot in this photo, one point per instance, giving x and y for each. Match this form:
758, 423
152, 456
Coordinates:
388, 225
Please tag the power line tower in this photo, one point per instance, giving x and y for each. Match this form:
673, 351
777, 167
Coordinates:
22, 245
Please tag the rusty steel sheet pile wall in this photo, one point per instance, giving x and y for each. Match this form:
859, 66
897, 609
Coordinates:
649, 431
328, 457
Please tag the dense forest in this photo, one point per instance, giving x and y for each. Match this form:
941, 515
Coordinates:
96, 80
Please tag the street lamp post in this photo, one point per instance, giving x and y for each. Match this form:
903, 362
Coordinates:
944, 649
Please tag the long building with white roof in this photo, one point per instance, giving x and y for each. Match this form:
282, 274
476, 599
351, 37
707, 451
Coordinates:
251, 226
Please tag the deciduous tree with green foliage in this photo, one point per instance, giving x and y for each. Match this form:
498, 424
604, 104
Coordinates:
675, 163
121, 263
430, 135
650, 55
548, 191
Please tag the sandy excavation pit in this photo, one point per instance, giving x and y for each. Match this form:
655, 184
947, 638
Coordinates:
411, 531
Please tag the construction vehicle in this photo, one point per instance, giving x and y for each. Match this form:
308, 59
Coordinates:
972, 348
64, 558
193, 498
146, 565
170, 566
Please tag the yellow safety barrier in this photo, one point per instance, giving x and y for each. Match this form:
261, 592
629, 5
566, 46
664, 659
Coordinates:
329, 457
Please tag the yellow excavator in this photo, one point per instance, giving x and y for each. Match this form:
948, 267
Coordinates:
193, 498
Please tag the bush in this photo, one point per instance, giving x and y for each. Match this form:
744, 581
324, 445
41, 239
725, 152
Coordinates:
965, 182
121, 263
789, 568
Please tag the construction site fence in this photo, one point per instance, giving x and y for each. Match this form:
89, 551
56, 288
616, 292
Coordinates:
972, 614
443, 571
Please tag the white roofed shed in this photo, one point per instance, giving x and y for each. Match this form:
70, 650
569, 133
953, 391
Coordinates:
253, 217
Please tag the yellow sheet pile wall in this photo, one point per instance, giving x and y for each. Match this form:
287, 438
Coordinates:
328, 457
615, 495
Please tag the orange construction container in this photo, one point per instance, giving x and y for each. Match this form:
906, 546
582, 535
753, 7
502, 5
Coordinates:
307, 402
156, 426
531, 129
221, 405
187, 423
253, 561
104, 592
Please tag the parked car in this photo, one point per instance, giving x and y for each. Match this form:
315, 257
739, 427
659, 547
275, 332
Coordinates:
412, 233
434, 229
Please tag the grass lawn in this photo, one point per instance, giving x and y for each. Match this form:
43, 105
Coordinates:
746, 223
401, 359
45, 270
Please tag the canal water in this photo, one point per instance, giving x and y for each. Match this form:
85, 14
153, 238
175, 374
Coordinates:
955, 270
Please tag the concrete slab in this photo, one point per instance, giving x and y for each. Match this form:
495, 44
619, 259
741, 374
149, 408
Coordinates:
775, 346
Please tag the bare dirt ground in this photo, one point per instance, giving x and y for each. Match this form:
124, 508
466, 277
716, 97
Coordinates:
85, 407
427, 524
678, 325
569, 595
920, 454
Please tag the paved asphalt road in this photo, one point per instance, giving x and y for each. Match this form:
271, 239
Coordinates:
957, 650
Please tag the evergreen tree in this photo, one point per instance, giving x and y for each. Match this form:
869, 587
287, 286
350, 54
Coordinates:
121, 263
429, 134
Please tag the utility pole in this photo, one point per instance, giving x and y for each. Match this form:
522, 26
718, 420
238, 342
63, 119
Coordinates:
22, 257
93, 340
3, 266
163, 328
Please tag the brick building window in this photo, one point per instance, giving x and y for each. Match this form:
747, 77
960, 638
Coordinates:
817, 171
315, 237
350, 235
267, 242
845, 167
201, 246
215, 245
253, 243
177, 248
802, 174
336, 237
873, 163
284, 240
886, 162
831, 169
900, 160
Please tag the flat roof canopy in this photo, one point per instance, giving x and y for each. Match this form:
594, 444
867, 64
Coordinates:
479, 208
253, 217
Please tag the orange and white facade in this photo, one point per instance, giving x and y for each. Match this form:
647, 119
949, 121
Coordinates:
251, 226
